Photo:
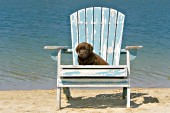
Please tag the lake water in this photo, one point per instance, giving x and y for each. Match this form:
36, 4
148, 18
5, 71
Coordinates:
26, 26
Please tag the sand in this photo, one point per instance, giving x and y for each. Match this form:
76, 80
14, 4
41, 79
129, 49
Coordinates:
152, 100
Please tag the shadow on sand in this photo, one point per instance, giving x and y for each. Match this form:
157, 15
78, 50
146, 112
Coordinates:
110, 101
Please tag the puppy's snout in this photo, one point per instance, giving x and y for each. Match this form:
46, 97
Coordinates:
81, 52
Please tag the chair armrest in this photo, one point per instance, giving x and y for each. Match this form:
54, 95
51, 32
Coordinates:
133, 51
133, 47
55, 47
123, 51
65, 49
59, 49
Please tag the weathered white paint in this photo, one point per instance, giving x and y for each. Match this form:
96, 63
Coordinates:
103, 28
128, 97
133, 47
97, 27
93, 85
128, 61
133, 51
56, 47
111, 35
58, 77
81, 25
94, 72
96, 80
74, 36
93, 66
118, 41
89, 25
58, 64
104, 32
84, 81
58, 97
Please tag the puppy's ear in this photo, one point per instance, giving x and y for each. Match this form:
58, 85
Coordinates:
91, 48
77, 49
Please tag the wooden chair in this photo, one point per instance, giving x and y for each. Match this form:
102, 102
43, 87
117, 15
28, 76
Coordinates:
103, 28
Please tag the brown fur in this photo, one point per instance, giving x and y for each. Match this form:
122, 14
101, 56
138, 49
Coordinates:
86, 55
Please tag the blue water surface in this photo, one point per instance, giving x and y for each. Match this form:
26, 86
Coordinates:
26, 26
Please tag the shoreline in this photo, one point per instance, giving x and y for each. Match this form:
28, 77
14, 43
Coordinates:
143, 100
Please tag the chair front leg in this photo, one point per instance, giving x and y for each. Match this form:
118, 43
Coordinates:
66, 91
128, 98
58, 98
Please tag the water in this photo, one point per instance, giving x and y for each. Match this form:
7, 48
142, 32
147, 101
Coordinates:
27, 26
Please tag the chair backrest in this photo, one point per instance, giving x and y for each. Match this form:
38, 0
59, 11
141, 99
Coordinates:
102, 28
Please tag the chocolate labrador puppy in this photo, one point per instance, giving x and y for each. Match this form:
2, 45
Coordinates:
86, 55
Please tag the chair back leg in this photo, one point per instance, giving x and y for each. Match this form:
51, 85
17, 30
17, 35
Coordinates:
66, 91
124, 92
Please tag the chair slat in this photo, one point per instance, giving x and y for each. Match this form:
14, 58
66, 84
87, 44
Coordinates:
89, 25
93, 85
81, 27
93, 66
94, 72
97, 27
74, 35
118, 41
104, 32
111, 37
93, 82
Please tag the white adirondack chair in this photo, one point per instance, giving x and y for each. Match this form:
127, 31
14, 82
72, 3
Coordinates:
102, 28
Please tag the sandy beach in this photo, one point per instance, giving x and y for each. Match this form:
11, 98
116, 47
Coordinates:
152, 100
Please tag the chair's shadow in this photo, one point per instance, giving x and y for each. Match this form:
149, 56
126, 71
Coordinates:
109, 100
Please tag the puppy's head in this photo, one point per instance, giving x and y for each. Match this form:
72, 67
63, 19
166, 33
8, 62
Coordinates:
84, 49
